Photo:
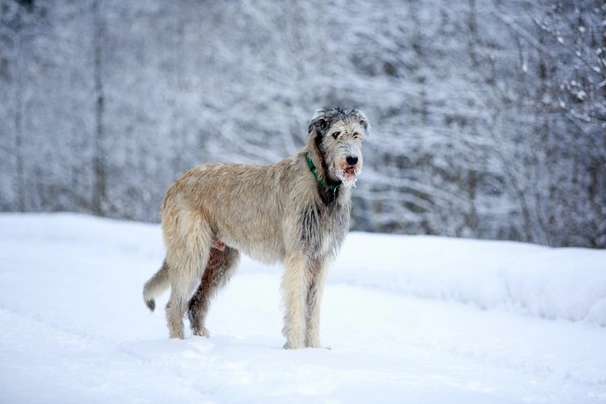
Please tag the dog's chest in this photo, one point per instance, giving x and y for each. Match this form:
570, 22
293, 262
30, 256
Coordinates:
323, 230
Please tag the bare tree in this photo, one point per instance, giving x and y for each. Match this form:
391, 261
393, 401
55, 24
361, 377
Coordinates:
572, 105
99, 143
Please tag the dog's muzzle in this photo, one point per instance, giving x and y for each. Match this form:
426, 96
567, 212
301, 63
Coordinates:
350, 170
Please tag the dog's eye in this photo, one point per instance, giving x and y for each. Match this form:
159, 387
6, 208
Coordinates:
356, 135
336, 134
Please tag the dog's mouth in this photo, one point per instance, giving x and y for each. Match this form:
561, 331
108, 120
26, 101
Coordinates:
349, 174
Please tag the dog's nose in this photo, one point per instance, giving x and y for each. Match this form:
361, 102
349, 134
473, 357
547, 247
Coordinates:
351, 160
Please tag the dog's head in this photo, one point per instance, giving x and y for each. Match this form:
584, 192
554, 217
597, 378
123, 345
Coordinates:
337, 135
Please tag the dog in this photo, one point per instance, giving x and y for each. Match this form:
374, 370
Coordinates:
296, 212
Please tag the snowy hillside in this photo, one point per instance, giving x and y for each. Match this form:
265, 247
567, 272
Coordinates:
408, 320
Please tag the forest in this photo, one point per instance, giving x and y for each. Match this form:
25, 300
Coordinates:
488, 117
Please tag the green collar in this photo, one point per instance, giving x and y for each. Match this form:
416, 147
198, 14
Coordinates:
314, 171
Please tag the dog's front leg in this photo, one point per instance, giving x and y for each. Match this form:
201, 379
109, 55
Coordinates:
318, 271
295, 285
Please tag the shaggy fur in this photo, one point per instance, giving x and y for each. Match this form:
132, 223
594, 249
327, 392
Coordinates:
295, 212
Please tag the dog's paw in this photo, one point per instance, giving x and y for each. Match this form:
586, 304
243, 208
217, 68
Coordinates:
291, 345
177, 334
316, 345
312, 343
203, 332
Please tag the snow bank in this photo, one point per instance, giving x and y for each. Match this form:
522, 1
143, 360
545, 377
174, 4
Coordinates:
563, 283
553, 283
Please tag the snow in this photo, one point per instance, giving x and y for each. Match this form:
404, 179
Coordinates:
408, 320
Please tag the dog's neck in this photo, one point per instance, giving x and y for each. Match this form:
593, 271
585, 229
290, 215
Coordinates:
327, 188
314, 171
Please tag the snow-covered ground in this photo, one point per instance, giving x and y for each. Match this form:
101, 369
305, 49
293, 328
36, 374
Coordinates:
408, 320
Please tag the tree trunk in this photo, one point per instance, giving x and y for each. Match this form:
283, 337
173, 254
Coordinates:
99, 157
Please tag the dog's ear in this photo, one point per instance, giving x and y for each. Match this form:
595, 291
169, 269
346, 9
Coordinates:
319, 122
364, 122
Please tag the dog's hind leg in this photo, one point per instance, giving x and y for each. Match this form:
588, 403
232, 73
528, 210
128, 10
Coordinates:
187, 256
181, 288
221, 265
174, 312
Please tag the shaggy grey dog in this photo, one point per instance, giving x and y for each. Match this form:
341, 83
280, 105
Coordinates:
295, 211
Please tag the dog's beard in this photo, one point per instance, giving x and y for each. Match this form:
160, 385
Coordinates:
348, 175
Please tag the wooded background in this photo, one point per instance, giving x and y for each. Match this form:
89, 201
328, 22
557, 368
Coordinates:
488, 117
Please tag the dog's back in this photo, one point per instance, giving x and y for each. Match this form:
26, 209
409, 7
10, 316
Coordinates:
234, 199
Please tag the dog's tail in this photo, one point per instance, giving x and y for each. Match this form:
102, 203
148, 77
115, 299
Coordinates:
156, 285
